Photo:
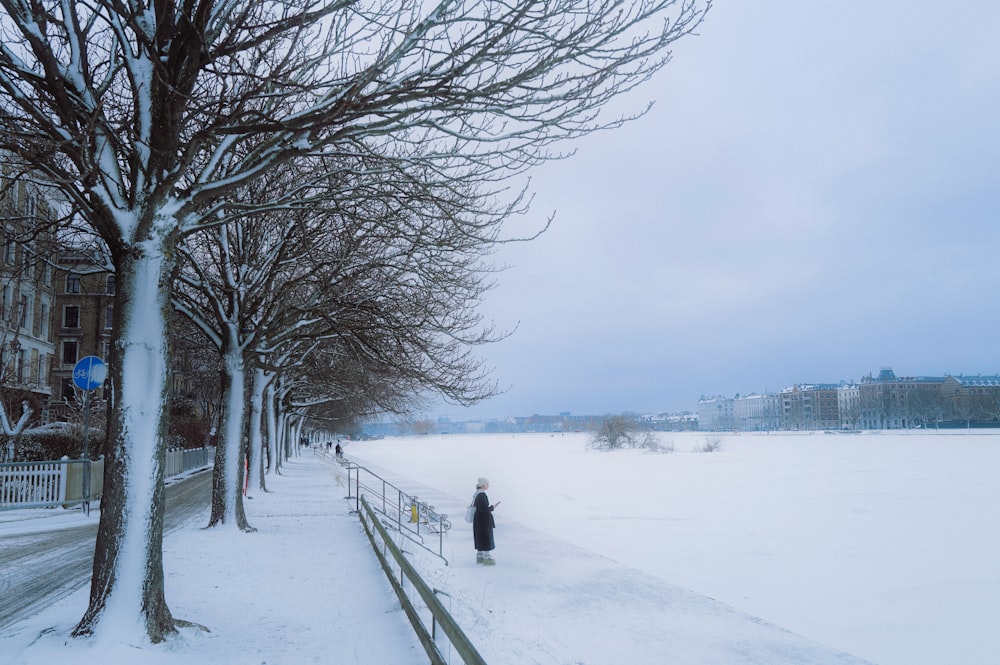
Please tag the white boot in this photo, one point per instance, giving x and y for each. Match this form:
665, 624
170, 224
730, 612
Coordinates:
479, 557
488, 559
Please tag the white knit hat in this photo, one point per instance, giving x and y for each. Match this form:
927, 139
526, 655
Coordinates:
482, 482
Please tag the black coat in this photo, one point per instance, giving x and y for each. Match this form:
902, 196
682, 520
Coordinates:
482, 523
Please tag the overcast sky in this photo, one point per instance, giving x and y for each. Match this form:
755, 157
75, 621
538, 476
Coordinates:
814, 196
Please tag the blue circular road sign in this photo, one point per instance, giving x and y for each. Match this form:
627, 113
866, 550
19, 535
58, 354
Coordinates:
89, 373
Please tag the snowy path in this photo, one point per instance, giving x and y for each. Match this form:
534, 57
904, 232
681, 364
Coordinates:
305, 588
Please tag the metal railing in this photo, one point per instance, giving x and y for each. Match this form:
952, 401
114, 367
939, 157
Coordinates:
405, 513
390, 556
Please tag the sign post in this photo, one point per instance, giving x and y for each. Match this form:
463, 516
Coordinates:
88, 375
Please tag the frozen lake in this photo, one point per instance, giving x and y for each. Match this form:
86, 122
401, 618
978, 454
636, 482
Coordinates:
884, 545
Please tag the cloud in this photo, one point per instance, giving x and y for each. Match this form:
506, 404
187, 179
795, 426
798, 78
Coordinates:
814, 194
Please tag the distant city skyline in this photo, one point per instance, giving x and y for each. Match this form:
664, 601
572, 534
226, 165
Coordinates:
693, 407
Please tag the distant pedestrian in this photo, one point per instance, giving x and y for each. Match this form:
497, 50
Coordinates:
339, 451
483, 523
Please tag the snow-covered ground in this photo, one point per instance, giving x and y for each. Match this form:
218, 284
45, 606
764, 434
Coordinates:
304, 588
883, 546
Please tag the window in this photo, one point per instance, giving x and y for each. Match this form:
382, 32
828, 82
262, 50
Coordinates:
72, 283
22, 315
8, 248
71, 316
111, 285
69, 352
6, 303
36, 367
109, 317
44, 323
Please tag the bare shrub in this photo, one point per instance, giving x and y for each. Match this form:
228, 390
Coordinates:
712, 444
623, 431
614, 432
652, 443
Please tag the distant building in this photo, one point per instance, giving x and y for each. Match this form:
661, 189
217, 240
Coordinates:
971, 399
84, 321
716, 413
849, 405
891, 402
758, 413
811, 406
26, 294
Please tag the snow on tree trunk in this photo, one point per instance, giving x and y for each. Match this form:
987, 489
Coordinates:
281, 445
256, 419
227, 480
273, 434
127, 585
294, 437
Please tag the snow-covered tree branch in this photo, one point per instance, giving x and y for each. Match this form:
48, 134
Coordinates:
150, 116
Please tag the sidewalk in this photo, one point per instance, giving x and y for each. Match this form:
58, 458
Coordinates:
304, 588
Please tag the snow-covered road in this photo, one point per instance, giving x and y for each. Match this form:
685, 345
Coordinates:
45, 559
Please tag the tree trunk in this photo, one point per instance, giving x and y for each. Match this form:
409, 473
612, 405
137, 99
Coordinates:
128, 560
273, 433
230, 457
258, 381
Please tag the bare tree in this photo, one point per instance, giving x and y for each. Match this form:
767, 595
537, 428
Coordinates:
389, 268
623, 431
926, 406
969, 407
149, 115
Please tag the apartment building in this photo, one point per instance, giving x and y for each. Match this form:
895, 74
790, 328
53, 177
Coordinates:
890, 402
972, 398
716, 413
810, 406
27, 295
849, 405
82, 322
882, 401
758, 412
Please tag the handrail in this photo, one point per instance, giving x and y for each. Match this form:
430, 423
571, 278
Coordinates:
458, 639
410, 516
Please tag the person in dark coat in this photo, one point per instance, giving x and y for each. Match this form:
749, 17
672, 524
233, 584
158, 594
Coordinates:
483, 523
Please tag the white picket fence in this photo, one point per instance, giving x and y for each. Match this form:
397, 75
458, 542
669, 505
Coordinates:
41, 484
61, 482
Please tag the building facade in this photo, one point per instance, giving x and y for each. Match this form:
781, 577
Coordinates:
758, 413
83, 322
27, 295
716, 413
